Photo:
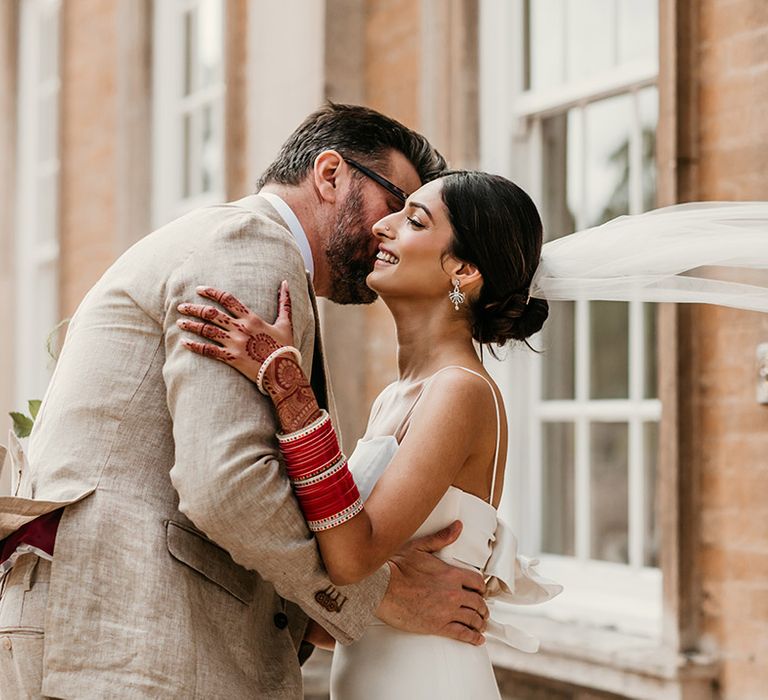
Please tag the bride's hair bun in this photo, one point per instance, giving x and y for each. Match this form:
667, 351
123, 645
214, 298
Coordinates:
516, 318
497, 228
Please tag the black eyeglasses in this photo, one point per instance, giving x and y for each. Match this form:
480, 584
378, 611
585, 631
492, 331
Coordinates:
386, 184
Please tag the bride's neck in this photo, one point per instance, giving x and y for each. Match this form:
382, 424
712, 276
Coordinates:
429, 338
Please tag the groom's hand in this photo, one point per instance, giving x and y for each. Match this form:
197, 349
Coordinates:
428, 596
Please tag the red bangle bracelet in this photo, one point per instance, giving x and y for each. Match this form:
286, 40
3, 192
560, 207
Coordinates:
320, 476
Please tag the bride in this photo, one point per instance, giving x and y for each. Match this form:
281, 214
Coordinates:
454, 267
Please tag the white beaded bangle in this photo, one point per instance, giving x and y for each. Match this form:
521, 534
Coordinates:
337, 519
288, 438
282, 350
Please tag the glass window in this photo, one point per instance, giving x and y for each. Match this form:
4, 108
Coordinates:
590, 38
638, 36
547, 49
558, 486
559, 372
189, 106
583, 124
606, 154
574, 40
609, 492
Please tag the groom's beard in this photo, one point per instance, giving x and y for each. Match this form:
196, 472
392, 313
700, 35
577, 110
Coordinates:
350, 253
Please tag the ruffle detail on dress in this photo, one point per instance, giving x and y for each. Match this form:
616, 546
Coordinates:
512, 578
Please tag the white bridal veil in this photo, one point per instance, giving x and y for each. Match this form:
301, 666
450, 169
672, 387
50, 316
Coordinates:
706, 252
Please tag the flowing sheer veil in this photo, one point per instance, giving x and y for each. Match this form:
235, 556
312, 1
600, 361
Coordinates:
706, 252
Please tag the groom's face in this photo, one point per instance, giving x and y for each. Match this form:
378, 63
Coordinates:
351, 249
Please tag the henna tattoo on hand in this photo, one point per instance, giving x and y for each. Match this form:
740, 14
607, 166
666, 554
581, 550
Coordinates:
207, 330
233, 304
291, 393
229, 301
260, 346
209, 313
208, 350
213, 332
296, 409
287, 373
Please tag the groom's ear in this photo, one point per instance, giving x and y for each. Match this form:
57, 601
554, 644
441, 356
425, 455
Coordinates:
328, 173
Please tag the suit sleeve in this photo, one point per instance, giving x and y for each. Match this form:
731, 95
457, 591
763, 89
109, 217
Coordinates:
227, 472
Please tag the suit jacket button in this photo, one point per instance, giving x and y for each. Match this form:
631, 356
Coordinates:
281, 620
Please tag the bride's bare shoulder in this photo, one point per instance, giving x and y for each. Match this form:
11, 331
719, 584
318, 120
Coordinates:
467, 391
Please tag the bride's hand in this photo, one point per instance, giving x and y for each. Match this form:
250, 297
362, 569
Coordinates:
244, 340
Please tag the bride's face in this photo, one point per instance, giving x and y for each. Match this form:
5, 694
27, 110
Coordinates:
412, 242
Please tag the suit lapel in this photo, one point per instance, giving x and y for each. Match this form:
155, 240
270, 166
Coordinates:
320, 383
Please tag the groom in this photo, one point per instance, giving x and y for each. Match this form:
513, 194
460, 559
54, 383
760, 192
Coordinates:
153, 540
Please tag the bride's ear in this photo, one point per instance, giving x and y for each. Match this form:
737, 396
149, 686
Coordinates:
468, 275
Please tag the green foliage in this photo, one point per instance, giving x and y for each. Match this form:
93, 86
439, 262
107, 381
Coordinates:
22, 425
34, 407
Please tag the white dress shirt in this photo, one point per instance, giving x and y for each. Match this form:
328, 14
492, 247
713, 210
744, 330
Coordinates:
296, 228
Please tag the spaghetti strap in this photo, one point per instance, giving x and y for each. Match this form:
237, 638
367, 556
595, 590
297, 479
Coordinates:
409, 413
407, 417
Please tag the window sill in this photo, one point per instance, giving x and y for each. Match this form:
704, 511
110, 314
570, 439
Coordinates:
606, 660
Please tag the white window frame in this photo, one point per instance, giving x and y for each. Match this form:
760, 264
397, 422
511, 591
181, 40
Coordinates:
168, 107
36, 240
619, 596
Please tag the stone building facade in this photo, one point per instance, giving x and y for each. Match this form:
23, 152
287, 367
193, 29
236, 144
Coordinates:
99, 144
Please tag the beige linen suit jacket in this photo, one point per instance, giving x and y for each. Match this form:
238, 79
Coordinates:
181, 542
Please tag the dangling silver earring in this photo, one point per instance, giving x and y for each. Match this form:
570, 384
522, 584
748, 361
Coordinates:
455, 295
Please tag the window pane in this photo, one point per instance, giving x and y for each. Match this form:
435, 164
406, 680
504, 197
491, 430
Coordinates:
591, 38
650, 376
189, 49
546, 43
648, 103
558, 372
209, 42
607, 159
638, 30
557, 525
650, 453
572, 40
209, 151
609, 491
561, 159
187, 159
609, 350
576, 184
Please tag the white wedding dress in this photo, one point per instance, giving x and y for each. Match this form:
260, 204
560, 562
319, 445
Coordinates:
386, 663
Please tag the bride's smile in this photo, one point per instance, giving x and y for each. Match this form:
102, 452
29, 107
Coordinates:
412, 262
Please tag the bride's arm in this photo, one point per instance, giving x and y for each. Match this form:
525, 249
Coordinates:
441, 438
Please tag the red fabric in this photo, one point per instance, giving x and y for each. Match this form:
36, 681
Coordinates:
40, 533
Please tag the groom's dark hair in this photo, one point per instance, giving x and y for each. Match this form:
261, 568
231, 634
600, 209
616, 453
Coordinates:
356, 132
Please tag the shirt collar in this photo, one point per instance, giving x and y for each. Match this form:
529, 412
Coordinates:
286, 213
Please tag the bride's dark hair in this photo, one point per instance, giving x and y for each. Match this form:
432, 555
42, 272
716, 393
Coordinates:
497, 228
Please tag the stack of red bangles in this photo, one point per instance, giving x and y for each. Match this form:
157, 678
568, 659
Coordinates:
327, 493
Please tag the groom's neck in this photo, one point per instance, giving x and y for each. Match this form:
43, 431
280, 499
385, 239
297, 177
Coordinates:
312, 216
